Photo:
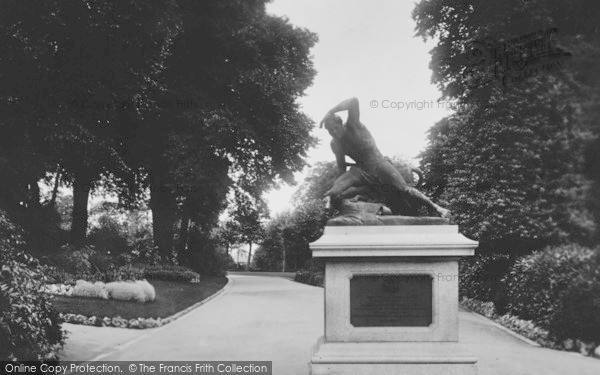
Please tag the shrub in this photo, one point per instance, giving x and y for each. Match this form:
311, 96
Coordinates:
131, 291
41, 228
168, 272
139, 290
127, 272
481, 278
85, 263
29, 326
149, 291
303, 276
75, 261
57, 276
89, 290
203, 254
559, 290
141, 246
108, 236
310, 277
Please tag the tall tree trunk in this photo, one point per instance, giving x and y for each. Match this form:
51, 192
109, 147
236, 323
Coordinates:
163, 205
55, 190
81, 194
33, 194
249, 256
284, 251
182, 254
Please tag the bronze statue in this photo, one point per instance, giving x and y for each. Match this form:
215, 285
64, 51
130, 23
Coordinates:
373, 177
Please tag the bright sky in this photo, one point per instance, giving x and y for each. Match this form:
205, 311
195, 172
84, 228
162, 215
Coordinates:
366, 49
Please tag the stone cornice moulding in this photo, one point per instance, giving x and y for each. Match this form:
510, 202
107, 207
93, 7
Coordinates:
393, 241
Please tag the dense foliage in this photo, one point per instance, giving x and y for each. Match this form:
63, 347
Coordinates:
481, 277
559, 289
184, 100
292, 231
29, 326
517, 160
511, 161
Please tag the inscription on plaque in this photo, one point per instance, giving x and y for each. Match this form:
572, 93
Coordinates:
391, 300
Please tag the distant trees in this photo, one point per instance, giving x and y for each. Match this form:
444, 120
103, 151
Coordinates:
228, 235
511, 162
241, 71
293, 230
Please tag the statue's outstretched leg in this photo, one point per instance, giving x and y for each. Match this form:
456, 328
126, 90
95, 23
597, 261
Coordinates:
444, 212
389, 175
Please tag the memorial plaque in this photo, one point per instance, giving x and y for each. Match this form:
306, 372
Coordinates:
391, 300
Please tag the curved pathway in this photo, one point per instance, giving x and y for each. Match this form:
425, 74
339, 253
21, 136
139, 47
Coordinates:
273, 319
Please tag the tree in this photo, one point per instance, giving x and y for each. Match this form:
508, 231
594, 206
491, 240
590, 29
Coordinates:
249, 214
509, 161
240, 70
292, 231
228, 234
67, 69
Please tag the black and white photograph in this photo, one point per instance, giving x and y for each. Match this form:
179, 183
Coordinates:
300, 187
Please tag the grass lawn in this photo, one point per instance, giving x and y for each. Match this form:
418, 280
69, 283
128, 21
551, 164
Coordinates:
171, 297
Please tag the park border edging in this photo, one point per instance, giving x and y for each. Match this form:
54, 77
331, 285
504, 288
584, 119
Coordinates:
139, 323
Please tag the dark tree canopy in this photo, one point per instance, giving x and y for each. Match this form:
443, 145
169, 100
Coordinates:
511, 161
191, 99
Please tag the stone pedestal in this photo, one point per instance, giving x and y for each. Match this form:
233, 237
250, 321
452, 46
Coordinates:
391, 300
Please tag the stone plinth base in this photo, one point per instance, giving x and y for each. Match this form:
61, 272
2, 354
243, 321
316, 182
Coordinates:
391, 300
391, 358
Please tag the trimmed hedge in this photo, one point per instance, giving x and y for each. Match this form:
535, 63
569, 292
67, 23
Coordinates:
315, 278
162, 272
29, 326
171, 273
523, 327
559, 290
481, 277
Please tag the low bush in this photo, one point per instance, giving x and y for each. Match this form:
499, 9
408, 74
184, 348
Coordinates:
523, 327
72, 260
481, 277
108, 235
303, 276
316, 278
559, 290
124, 273
166, 272
89, 290
149, 291
313, 273
138, 291
55, 275
203, 254
29, 326
129, 272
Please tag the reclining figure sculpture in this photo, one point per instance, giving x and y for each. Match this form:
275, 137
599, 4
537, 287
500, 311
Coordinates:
372, 189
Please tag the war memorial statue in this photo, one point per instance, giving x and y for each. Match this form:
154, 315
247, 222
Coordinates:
373, 191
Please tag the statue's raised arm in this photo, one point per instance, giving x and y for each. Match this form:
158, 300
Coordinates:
351, 105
